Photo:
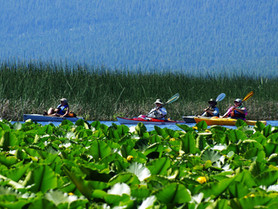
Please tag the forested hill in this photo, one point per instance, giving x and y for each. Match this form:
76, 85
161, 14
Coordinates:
192, 36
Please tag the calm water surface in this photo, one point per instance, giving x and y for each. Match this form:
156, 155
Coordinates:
151, 127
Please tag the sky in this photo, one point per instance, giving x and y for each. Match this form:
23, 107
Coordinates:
196, 37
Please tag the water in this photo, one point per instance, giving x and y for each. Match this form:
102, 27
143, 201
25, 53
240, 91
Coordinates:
151, 127
109, 123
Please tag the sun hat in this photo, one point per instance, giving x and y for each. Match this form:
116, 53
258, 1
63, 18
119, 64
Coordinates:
238, 100
64, 100
158, 101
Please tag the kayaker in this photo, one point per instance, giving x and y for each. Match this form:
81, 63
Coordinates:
159, 112
238, 111
62, 110
212, 110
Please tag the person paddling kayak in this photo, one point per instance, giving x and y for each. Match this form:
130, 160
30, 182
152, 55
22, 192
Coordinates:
212, 110
238, 111
159, 112
62, 110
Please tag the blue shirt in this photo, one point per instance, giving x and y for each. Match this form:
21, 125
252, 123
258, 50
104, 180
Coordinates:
158, 113
215, 112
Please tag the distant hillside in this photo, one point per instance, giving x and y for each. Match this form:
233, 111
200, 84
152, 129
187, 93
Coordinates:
191, 36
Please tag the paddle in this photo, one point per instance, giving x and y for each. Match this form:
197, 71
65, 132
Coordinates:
220, 97
172, 99
248, 96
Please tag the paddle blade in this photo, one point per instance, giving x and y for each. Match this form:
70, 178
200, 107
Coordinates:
250, 94
220, 97
173, 98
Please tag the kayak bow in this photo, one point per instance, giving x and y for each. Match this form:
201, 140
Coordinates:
189, 119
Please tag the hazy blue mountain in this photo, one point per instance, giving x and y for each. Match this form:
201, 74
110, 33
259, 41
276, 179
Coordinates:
192, 36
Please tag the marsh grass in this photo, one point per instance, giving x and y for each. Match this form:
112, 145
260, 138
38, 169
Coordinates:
102, 94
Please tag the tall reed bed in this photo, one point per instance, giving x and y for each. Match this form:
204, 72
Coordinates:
103, 94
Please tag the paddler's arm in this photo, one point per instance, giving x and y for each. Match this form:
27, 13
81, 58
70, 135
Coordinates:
210, 112
228, 112
152, 110
66, 113
241, 110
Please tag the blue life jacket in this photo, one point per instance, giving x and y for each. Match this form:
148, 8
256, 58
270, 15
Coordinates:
62, 109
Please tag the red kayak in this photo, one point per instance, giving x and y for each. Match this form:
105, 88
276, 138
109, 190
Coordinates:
147, 121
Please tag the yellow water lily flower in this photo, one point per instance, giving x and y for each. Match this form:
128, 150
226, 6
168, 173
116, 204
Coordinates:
129, 158
201, 179
251, 195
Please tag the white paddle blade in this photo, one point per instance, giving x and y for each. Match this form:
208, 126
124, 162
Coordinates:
173, 98
220, 97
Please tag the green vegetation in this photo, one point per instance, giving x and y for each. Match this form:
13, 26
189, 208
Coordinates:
85, 165
102, 94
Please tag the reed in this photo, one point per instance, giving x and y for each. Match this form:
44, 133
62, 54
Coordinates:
103, 94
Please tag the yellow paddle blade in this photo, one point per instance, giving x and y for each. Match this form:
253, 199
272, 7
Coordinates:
250, 94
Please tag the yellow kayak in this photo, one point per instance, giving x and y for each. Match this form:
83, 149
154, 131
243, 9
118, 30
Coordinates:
223, 121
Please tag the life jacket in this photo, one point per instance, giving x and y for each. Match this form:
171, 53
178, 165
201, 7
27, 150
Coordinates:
237, 115
62, 109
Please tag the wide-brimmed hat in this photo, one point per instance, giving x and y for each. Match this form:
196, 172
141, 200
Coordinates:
64, 100
238, 100
212, 101
158, 101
